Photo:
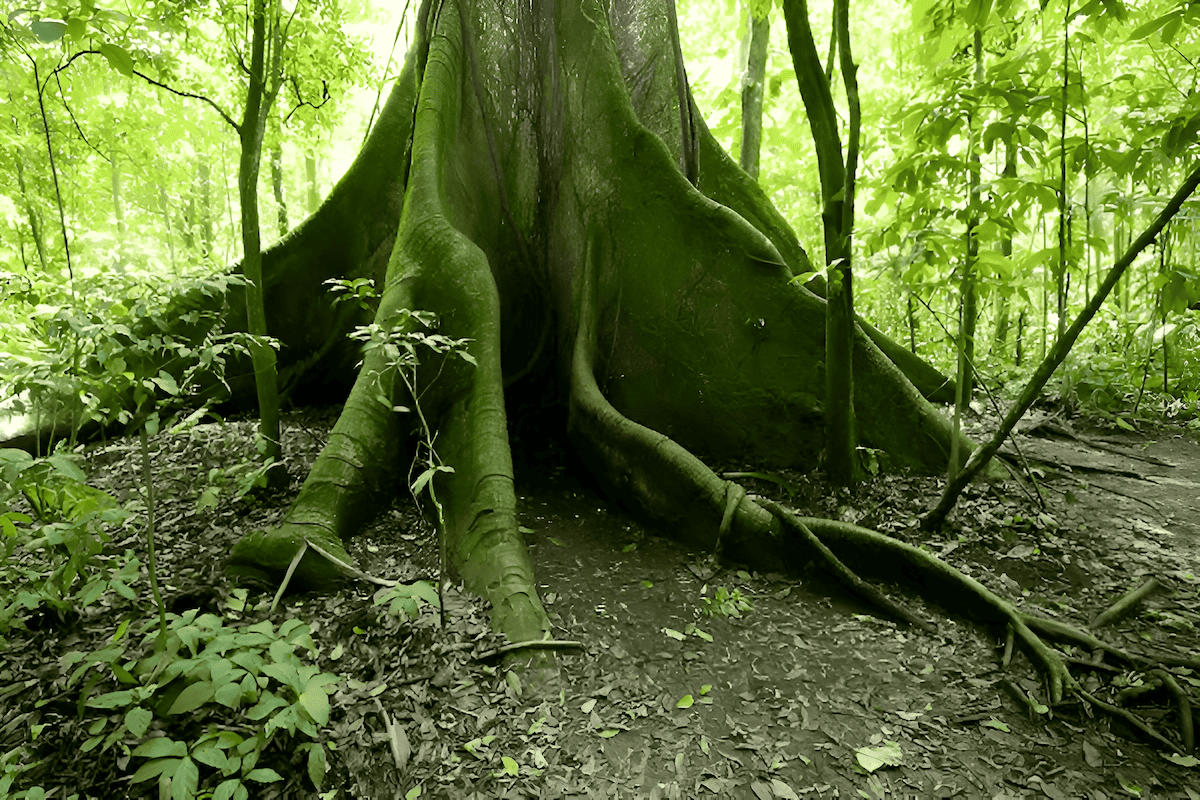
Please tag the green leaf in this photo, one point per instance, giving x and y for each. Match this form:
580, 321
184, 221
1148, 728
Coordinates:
185, 781
66, 467
160, 747
1142, 31
227, 788
1183, 761
510, 766
118, 58
48, 30
316, 703
886, 755
152, 769
264, 775
316, 765
415, 792
685, 702
111, 700
137, 720
192, 697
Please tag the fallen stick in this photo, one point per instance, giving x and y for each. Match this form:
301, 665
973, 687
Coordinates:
1126, 605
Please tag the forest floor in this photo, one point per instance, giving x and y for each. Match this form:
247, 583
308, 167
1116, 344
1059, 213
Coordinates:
804, 695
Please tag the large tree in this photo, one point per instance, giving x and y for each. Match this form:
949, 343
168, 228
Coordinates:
541, 180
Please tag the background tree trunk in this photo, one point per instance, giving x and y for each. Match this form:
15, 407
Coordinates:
759, 22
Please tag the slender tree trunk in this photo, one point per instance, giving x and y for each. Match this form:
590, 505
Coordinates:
816, 93
35, 226
118, 208
205, 211
1003, 312
1061, 278
1062, 346
310, 170
258, 104
164, 206
912, 326
841, 440
281, 214
752, 88
968, 307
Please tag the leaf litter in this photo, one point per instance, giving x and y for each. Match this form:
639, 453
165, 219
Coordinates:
803, 696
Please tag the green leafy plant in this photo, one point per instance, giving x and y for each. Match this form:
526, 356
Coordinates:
238, 480
404, 600
725, 603
411, 334
239, 700
59, 561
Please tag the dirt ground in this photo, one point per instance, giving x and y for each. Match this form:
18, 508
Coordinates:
802, 695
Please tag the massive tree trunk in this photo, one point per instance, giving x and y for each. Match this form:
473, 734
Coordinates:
526, 177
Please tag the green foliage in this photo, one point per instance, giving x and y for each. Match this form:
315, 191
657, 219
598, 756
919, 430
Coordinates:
725, 603
59, 563
404, 600
238, 699
410, 334
238, 480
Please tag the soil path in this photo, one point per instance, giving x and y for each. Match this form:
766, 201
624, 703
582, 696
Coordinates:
797, 695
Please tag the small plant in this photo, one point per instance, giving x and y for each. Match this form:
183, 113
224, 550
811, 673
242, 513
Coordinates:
239, 480
402, 599
409, 336
725, 603
238, 698
58, 562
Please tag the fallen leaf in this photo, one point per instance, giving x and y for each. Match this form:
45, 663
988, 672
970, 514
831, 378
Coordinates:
782, 790
887, 754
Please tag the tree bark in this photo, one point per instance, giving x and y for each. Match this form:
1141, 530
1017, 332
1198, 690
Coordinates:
759, 19
700, 337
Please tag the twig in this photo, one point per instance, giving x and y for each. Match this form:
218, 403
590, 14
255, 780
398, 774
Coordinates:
1125, 606
287, 576
533, 644
1132, 720
1018, 694
353, 570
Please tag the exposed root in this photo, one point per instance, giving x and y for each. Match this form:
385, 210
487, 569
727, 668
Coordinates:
1187, 733
735, 493
1132, 720
844, 574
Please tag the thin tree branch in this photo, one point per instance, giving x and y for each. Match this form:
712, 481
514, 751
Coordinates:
193, 96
